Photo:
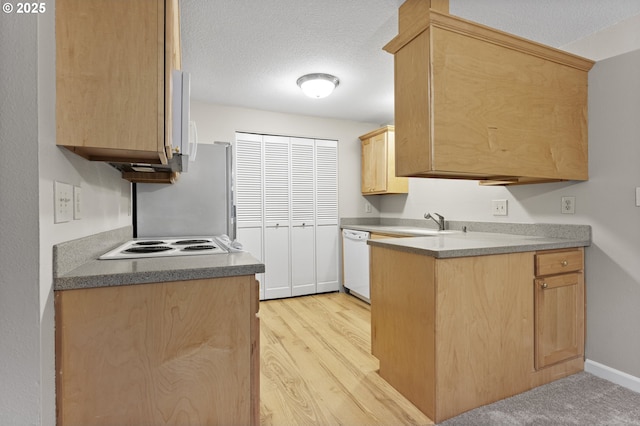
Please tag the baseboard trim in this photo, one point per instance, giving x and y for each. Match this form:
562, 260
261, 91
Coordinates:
616, 376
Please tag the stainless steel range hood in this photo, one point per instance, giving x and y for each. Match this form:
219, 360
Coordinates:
154, 173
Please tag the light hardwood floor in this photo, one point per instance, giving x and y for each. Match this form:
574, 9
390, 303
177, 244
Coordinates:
316, 366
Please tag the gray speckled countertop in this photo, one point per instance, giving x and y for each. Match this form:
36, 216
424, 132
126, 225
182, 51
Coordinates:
475, 244
487, 238
76, 265
102, 273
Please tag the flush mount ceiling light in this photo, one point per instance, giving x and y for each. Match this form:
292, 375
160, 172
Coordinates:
318, 85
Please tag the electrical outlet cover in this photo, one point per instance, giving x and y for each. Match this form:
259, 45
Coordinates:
568, 205
499, 207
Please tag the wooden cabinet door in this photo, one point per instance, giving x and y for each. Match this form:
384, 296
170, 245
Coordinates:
472, 102
559, 318
110, 79
379, 164
374, 164
158, 354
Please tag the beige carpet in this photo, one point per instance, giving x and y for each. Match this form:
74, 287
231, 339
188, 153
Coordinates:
582, 399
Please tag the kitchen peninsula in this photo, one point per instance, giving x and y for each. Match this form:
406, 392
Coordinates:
464, 319
155, 341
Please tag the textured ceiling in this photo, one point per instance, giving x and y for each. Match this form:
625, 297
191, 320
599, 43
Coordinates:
250, 53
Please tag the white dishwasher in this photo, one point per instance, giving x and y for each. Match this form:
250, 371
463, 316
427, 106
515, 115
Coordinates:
356, 263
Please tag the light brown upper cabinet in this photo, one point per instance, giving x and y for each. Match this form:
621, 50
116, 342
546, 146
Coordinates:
113, 94
472, 102
378, 164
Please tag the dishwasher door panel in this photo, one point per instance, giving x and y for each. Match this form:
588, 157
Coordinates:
356, 263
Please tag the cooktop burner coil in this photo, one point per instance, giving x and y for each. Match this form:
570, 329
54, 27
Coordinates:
148, 243
147, 249
190, 242
200, 247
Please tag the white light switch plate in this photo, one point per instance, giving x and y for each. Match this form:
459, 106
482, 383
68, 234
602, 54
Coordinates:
637, 196
62, 202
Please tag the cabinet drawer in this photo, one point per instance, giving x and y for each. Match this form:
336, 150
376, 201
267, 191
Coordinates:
559, 262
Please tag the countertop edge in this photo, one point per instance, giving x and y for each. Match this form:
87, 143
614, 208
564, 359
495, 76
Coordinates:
473, 238
77, 266
73, 282
481, 251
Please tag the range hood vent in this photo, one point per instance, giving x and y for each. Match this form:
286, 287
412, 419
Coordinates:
153, 173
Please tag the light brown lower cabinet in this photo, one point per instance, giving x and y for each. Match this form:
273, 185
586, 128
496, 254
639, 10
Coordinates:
183, 352
559, 306
455, 334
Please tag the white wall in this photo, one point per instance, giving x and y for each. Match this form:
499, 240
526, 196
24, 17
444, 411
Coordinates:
30, 164
219, 123
19, 310
105, 202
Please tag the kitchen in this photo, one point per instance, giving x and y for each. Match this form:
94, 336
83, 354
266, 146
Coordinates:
606, 202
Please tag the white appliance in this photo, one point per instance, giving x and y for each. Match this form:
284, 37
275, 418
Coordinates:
198, 203
163, 247
356, 263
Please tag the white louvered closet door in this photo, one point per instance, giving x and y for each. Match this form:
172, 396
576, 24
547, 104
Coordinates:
303, 277
327, 229
248, 196
277, 205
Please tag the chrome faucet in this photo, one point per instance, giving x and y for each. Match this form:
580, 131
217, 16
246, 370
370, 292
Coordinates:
439, 220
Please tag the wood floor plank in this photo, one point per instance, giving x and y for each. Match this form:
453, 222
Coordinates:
316, 366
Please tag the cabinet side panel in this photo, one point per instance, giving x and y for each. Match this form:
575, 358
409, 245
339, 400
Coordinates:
255, 353
60, 356
484, 330
402, 323
171, 60
107, 76
395, 184
499, 111
159, 354
412, 108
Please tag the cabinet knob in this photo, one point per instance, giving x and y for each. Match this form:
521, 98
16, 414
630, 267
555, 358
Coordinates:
564, 263
303, 224
544, 285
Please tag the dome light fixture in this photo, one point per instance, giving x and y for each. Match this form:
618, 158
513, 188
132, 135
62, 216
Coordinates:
318, 85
